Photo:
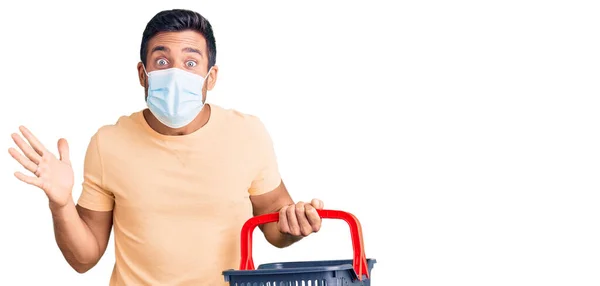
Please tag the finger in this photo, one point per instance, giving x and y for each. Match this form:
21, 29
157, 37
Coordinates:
34, 181
33, 141
283, 222
63, 150
27, 150
313, 218
292, 220
318, 204
305, 228
24, 161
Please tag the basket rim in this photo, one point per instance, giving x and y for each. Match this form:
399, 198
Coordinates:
275, 269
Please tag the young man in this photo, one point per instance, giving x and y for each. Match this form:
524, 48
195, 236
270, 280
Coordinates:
176, 180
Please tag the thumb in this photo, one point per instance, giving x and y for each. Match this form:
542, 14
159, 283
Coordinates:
317, 204
63, 150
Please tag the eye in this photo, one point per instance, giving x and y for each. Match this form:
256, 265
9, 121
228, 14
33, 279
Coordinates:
161, 62
190, 64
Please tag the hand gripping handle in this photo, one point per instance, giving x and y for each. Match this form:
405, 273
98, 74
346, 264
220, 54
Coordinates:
359, 261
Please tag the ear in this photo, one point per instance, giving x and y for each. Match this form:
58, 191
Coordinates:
212, 78
142, 75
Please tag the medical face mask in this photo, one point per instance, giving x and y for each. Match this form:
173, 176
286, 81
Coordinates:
174, 96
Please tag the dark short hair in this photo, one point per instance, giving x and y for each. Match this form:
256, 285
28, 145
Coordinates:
179, 20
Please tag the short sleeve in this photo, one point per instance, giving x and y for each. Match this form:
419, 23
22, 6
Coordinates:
94, 196
267, 177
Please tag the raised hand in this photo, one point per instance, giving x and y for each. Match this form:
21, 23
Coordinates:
300, 219
53, 175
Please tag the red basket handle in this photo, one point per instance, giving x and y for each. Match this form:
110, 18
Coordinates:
359, 261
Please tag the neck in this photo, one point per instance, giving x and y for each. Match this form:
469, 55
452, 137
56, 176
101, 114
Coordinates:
195, 125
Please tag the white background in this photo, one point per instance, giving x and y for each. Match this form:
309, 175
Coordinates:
463, 134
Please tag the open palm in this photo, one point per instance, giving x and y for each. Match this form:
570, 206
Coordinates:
53, 175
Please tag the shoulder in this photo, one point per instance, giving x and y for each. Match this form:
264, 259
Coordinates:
114, 133
240, 121
247, 128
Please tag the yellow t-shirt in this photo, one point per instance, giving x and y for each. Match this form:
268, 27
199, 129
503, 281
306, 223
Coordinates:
178, 202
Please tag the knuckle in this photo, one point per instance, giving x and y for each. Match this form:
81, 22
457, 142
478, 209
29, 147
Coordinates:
292, 226
282, 225
306, 231
283, 228
290, 211
296, 228
316, 227
314, 202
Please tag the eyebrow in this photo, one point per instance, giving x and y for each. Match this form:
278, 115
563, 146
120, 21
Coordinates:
192, 50
159, 48
188, 50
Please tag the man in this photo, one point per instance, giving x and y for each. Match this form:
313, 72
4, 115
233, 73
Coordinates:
176, 180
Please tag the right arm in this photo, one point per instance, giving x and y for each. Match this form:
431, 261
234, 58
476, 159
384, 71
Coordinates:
82, 234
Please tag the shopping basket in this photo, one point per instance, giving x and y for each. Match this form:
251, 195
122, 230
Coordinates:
351, 272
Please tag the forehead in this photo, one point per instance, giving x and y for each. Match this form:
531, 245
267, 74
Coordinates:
181, 39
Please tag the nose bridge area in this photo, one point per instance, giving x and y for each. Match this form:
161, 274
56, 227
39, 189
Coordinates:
179, 62
175, 54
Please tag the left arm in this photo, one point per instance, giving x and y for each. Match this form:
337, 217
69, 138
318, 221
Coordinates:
268, 194
296, 220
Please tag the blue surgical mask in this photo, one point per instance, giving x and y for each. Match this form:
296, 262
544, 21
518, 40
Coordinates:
174, 96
